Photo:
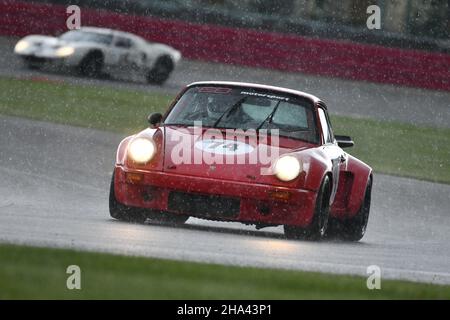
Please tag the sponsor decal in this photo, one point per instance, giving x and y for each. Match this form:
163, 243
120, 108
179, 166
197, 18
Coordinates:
264, 95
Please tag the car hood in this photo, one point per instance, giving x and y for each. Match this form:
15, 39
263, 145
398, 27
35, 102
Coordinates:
226, 155
53, 42
42, 40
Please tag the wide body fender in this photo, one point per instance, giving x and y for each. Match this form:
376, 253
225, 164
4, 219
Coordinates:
353, 180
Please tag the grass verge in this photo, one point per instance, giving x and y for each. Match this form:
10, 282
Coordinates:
40, 273
389, 147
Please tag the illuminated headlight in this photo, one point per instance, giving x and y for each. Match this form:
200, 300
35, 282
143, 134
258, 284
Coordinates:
21, 46
141, 150
65, 51
287, 168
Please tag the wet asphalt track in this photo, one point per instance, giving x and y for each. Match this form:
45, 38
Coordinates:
54, 183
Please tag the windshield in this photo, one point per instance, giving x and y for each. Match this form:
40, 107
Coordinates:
83, 36
239, 108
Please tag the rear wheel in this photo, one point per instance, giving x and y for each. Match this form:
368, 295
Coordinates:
139, 215
160, 71
317, 229
353, 229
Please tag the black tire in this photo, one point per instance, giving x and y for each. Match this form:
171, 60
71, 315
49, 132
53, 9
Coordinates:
139, 215
160, 71
352, 229
91, 65
318, 227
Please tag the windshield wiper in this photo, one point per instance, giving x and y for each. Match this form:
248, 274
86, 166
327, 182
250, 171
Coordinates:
231, 109
268, 119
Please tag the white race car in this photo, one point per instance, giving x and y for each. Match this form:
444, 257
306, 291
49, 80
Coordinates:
96, 51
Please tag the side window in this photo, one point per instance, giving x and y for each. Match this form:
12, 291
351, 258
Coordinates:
326, 129
123, 42
292, 115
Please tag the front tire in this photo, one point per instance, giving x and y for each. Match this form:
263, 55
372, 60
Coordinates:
160, 71
353, 229
91, 65
318, 227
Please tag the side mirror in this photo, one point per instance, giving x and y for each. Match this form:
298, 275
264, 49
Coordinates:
344, 141
154, 119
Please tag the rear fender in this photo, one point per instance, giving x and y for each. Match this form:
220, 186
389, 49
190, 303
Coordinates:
351, 190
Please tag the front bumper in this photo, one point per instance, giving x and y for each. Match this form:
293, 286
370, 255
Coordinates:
41, 60
214, 199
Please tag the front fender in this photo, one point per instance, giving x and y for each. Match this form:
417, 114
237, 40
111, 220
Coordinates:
155, 164
315, 167
122, 151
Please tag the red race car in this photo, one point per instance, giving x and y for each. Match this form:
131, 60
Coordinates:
244, 152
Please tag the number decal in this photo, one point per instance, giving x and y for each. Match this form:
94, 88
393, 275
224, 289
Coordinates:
220, 146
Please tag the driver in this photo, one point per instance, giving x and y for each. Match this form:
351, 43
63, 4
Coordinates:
215, 109
211, 108
208, 110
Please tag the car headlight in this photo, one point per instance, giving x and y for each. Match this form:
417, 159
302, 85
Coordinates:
65, 51
141, 150
287, 168
21, 46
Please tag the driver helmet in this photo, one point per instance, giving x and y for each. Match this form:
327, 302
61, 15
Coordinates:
214, 108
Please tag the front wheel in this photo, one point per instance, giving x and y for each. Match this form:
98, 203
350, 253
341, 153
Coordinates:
160, 71
317, 229
91, 65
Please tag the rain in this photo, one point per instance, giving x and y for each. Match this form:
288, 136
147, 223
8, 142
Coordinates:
350, 100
